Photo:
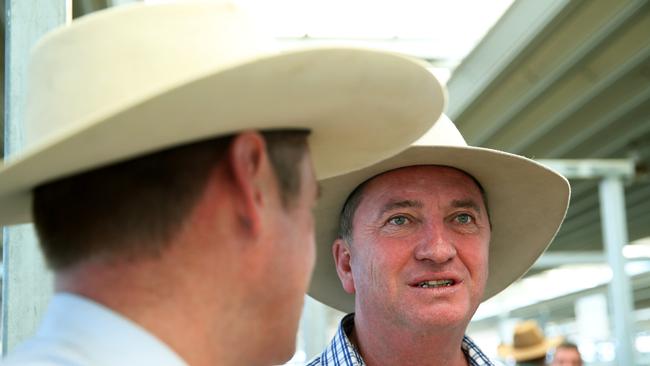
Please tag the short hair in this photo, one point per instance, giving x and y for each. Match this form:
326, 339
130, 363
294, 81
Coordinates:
566, 344
354, 199
135, 207
569, 345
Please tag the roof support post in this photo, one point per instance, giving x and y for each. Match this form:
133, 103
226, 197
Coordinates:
613, 221
611, 173
27, 285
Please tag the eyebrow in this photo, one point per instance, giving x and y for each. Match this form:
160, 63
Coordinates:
399, 204
466, 203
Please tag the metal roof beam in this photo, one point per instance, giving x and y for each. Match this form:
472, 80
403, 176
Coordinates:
591, 168
498, 49
588, 234
616, 140
581, 103
545, 79
589, 216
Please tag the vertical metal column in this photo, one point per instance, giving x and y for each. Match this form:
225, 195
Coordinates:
613, 221
27, 284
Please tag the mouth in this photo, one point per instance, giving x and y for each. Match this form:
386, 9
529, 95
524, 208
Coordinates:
435, 283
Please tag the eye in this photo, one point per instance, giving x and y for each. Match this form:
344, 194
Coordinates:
398, 220
464, 219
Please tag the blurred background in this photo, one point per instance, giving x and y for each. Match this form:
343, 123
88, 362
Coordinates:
545, 79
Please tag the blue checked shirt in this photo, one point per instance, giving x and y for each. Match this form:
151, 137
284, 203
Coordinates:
341, 352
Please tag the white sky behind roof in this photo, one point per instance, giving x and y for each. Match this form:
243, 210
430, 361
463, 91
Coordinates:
430, 19
442, 31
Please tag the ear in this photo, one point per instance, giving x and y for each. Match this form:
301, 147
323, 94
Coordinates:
249, 163
342, 256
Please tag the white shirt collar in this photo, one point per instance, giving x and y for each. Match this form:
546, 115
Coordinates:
102, 334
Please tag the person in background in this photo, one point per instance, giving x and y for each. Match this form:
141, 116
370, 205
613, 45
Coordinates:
170, 172
410, 246
566, 354
530, 347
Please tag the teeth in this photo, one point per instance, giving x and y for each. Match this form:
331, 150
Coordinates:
439, 283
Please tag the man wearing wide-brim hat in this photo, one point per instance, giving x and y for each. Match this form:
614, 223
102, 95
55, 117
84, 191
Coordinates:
170, 171
420, 239
530, 346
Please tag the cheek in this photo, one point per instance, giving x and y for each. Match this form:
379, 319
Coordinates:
361, 267
373, 272
482, 262
475, 255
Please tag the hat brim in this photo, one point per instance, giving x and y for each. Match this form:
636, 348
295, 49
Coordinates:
351, 100
529, 353
526, 201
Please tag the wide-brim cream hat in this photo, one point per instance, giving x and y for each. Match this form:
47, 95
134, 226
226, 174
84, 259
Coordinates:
526, 202
529, 343
139, 78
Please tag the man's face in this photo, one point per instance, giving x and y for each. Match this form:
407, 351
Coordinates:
419, 251
565, 356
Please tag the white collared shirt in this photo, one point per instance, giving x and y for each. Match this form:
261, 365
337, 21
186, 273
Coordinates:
77, 331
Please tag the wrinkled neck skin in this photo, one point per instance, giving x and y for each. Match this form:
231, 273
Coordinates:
383, 344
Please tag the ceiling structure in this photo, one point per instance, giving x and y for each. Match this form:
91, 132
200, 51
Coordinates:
565, 80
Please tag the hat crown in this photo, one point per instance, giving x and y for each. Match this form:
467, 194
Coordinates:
443, 133
101, 62
527, 334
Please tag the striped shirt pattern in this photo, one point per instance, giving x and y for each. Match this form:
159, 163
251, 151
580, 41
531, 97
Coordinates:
341, 352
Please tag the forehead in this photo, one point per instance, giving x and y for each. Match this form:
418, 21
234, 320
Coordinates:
441, 179
566, 351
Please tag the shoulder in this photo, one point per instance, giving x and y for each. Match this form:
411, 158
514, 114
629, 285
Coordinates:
38, 352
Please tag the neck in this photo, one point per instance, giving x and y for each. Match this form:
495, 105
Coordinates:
190, 315
387, 344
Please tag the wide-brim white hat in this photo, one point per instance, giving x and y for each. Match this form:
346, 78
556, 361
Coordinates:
139, 78
526, 202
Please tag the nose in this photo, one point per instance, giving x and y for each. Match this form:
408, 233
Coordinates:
435, 246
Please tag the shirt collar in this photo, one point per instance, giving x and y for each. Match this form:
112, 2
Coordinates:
104, 335
341, 352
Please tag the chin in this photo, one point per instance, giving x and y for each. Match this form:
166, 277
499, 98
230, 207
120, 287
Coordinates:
444, 317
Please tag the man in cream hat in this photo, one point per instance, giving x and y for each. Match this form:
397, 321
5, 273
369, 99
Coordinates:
420, 239
171, 170
529, 345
